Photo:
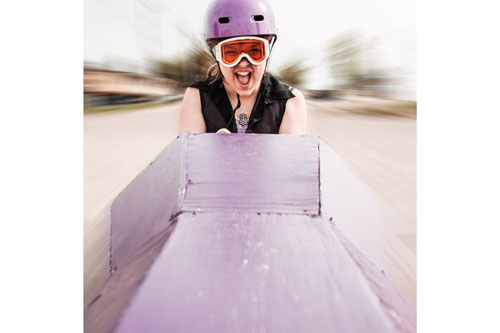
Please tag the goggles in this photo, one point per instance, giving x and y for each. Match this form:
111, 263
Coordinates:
229, 52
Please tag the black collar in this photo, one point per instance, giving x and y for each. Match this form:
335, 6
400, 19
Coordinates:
271, 89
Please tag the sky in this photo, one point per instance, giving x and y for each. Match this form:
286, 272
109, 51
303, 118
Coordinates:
133, 31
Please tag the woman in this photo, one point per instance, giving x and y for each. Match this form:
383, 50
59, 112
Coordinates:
239, 96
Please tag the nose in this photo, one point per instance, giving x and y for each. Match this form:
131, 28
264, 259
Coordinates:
244, 63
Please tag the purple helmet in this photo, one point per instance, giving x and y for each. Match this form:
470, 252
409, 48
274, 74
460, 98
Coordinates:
231, 18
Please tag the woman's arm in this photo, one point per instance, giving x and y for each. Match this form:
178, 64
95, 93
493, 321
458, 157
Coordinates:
295, 117
191, 119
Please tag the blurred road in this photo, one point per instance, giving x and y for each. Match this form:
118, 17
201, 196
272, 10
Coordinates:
381, 150
117, 146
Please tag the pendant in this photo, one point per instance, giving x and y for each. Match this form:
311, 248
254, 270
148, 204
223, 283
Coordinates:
243, 119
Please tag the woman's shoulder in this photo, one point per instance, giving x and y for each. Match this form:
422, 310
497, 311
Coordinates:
282, 90
295, 117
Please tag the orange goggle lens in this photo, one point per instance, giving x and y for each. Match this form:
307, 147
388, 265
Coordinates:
231, 51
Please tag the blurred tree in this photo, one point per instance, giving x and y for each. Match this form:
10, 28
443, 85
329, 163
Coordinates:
191, 65
353, 61
293, 73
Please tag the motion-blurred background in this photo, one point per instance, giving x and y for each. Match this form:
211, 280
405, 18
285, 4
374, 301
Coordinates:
145, 50
354, 61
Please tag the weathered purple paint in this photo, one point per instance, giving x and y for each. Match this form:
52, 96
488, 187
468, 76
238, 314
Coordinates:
272, 264
252, 173
106, 309
248, 273
146, 206
226, 172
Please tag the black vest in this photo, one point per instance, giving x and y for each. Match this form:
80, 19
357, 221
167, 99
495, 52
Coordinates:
267, 111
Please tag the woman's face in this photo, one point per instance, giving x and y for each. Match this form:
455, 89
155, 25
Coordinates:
244, 78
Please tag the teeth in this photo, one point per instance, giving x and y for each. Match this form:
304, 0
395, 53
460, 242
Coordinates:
243, 74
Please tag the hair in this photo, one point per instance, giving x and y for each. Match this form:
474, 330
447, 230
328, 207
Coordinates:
214, 70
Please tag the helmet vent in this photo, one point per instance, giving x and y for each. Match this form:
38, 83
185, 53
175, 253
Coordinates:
223, 20
258, 17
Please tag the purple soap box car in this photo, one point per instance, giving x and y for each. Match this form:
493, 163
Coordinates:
237, 233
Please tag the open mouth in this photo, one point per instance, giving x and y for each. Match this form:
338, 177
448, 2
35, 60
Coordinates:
243, 77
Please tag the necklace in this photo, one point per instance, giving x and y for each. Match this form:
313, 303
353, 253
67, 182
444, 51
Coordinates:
243, 119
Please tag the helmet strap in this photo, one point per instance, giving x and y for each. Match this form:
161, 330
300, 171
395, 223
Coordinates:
273, 41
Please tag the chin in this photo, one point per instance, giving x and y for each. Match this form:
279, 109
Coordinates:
245, 92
